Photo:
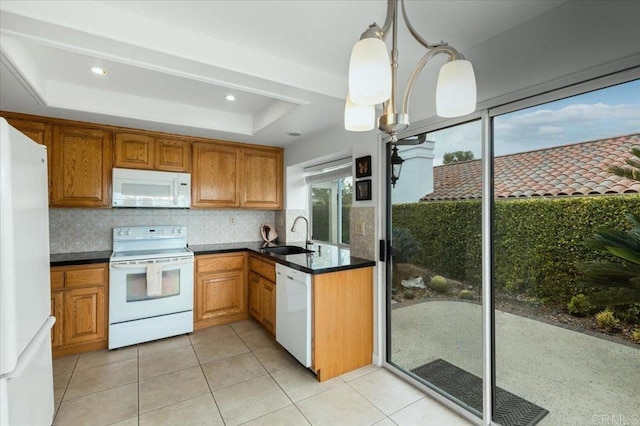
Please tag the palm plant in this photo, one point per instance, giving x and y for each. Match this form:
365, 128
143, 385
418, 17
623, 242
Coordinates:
618, 282
632, 168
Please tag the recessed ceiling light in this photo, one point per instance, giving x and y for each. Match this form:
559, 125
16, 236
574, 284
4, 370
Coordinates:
230, 98
294, 134
98, 70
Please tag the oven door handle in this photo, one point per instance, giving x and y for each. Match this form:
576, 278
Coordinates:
135, 265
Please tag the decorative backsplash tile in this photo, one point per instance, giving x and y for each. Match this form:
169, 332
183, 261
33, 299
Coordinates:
76, 230
363, 246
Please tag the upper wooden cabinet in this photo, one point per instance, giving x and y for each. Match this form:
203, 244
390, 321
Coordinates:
230, 176
81, 167
134, 151
215, 178
173, 155
143, 151
261, 183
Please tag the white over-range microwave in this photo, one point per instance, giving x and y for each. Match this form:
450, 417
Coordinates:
150, 188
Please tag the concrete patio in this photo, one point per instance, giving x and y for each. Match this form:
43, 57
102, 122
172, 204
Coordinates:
577, 377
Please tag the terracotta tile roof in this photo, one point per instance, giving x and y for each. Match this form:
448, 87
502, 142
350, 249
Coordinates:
576, 169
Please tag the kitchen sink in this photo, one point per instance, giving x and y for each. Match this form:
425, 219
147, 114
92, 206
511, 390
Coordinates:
286, 250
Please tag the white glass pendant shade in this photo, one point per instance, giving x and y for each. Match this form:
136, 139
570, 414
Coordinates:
369, 72
456, 89
359, 118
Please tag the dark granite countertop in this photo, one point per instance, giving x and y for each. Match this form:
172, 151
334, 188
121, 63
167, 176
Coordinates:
330, 258
80, 258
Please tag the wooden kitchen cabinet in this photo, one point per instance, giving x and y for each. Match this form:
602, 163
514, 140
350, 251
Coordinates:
342, 321
79, 297
262, 292
261, 182
220, 289
233, 176
173, 155
81, 167
56, 311
144, 151
215, 177
84, 315
134, 151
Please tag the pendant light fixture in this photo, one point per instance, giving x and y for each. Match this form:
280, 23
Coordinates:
373, 80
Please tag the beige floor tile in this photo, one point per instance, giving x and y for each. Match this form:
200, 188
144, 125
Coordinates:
386, 391
60, 383
246, 326
161, 391
163, 345
65, 365
287, 416
223, 348
250, 400
102, 408
105, 356
340, 405
300, 383
167, 362
129, 422
207, 335
385, 422
258, 339
427, 411
275, 358
101, 378
352, 375
230, 371
198, 411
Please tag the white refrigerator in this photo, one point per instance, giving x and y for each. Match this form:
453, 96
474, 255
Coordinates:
26, 374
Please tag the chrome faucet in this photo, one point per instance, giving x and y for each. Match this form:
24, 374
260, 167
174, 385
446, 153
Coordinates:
309, 241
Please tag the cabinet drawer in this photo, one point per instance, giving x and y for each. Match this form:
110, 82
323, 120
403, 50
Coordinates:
57, 280
219, 263
266, 269
84, 277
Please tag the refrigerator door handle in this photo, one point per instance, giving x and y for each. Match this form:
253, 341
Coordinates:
30, 350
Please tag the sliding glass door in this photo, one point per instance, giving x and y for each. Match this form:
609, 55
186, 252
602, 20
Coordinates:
435, 285
561, 307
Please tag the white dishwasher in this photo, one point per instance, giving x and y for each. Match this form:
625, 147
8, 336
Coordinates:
293, 312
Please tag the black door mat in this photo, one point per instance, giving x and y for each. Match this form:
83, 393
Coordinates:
510, 410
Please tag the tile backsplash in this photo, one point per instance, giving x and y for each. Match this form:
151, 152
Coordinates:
77, 230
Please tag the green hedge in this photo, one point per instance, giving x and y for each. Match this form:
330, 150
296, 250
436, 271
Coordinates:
537, 241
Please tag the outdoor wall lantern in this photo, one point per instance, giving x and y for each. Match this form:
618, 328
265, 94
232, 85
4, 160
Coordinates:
396, 165
372, 80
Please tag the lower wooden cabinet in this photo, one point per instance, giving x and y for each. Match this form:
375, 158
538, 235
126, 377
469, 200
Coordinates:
262, 292
220, 289
79, 303
84, 315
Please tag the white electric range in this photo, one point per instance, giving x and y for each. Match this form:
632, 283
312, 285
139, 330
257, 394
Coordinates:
150, 284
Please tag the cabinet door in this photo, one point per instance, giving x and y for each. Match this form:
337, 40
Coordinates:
134, 151
173, 155
38, 132
56, 311
255, 296
84, 315
215, 176
220, 295
261, 185
269, 306
81, 169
